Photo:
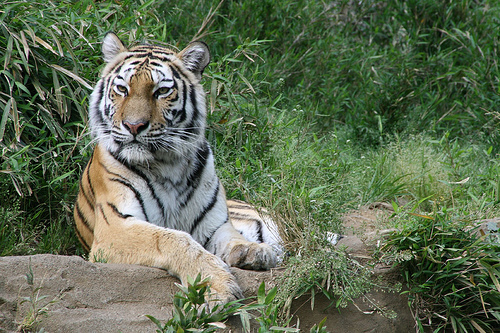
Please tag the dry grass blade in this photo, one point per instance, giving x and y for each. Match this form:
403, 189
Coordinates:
477, 327
249, 85
71, 75
45, 44
207, 22
80, 34
25, 46
15, 119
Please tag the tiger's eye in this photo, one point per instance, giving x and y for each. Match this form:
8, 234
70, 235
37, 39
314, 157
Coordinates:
162, 92
121, 89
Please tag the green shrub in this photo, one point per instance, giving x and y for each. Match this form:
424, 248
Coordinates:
452, 272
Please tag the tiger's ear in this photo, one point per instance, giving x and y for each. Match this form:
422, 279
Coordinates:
112, 46
195, 57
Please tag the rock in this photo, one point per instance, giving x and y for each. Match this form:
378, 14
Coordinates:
93, 297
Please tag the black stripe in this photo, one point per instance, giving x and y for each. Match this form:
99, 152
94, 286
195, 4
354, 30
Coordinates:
91, 188
148, 55
182, 114
122, 180
241, 217
85, 195
117, 212
191, 128
136, 193
159, 203
175, 72
209, 236
148, 183
260, 239
82, 217
95, 107
179, 71
103, 215
243, 206
205, 211
153, 48
86, 246
203, 153
115, 70
193, 180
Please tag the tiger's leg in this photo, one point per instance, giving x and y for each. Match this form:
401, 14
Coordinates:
122, 239
228, 244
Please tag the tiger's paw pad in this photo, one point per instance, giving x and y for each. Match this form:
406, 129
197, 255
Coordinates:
252, 256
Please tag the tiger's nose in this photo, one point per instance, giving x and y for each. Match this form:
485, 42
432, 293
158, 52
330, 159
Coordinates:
135, 128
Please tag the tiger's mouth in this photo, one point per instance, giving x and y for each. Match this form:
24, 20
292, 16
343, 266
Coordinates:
135, 152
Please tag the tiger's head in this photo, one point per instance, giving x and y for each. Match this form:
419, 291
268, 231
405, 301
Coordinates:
149, 104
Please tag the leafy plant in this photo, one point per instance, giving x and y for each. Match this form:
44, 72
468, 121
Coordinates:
329, 272
452, 272
266, 311
38, 307
192, 314
191, 311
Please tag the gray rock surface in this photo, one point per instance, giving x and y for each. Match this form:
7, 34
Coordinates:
115, 298
93, 297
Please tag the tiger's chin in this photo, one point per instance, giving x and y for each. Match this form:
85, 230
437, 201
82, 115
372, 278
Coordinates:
135, 155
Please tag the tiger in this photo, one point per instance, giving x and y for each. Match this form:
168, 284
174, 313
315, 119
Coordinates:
149, 194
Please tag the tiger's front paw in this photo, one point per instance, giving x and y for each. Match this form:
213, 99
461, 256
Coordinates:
223, 285
223, 291
249, 255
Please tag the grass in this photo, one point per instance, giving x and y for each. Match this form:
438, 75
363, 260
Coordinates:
38, 305
315, 108
191, 313
452, 272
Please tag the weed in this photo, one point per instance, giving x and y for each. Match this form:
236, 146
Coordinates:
266, 311
330, 272
452, 272
100, 256
191, 312
37, 305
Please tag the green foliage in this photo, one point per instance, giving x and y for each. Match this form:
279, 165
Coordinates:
328, 272
37, 305
452, 272
267, 313
192, 313
314, 108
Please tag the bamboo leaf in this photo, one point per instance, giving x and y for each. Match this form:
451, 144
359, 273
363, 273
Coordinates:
72, 75
44, 44
5, 116
8, 52
26, 47
492, 273
477, 327
244, 79
64, 176
15, 118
